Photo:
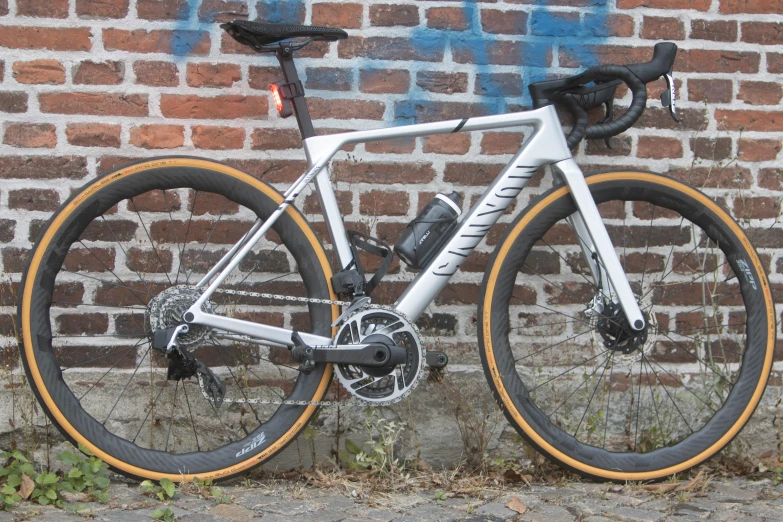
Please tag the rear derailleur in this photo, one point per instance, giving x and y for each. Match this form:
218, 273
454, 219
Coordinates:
183, 365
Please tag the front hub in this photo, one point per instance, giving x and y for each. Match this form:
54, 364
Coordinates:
617, 334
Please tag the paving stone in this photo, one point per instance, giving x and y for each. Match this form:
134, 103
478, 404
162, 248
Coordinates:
233, 512
636, 515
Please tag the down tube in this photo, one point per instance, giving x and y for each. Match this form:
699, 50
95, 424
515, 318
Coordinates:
536, 152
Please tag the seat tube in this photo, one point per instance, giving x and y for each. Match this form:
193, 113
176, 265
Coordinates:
286, 59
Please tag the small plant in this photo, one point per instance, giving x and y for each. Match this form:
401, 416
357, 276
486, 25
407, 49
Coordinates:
164, 490
87, 475
382, 436
23, 482
440, 496
163, 514
205, 489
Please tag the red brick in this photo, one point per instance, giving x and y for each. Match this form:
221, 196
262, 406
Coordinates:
42, 9
93, 134
750, 120
382, 173
212, 11
157, 41
276, 139
447, 144
383, 48
34, 199
345, 109
713, 149
442, 82
218, 107
3, 7
157, 201
39, 71
756, 207
383, 203
30, 135
775, 62
344, 16
271, 171
712, 61
388, 15
163, 9
758, 150
760, 93
82, 323
503, 22
714, 177
158, 136
262, 77
501, 142
98, 103
698, 5
158, 74
771, 179
577, 56
715, 30
764, 33
50, 38
471, 174
99, 73
621, 146
102, 8
382, 81
329, 78
662, 28
213, 74
42, 167
658, 148
751, 7
399, 146
710, 91
218, 138
449, 18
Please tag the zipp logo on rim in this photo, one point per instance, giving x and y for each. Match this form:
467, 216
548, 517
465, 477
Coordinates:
743, 266
257, 441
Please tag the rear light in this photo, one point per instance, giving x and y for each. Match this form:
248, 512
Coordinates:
282, 104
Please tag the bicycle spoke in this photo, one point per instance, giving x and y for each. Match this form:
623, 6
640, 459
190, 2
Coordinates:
152, 243
126, 386
187, 233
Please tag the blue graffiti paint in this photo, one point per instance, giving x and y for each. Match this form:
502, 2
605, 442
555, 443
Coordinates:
281, 11
532, 53
186, 34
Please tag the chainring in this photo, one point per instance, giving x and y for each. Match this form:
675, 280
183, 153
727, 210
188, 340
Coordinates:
368, 325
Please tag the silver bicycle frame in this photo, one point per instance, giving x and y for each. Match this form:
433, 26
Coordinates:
546, 146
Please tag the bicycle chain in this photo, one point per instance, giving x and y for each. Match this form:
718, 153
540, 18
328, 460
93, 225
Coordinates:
351, 399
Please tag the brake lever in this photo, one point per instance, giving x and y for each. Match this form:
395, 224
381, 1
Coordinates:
609, 104
668, 97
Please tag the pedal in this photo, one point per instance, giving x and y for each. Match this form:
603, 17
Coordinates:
210, 383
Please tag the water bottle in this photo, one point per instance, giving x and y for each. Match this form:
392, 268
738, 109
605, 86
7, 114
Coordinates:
425, 235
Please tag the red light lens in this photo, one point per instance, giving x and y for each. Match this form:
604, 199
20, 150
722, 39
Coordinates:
278, 98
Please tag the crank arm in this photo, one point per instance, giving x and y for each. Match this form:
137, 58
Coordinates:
374, 355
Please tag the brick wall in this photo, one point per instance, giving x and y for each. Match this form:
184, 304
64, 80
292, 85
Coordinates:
86, 86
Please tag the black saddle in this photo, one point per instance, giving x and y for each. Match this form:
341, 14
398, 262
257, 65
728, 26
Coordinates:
259, 34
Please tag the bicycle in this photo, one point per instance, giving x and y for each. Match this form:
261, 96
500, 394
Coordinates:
625, 322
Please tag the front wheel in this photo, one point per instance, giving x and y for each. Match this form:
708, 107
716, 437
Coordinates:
580, 386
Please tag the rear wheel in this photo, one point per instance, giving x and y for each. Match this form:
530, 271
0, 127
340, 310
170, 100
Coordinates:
583, 388
121, 259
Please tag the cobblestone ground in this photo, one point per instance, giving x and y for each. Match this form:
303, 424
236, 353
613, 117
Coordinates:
724, 500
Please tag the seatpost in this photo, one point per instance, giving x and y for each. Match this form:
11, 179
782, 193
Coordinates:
286, 58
